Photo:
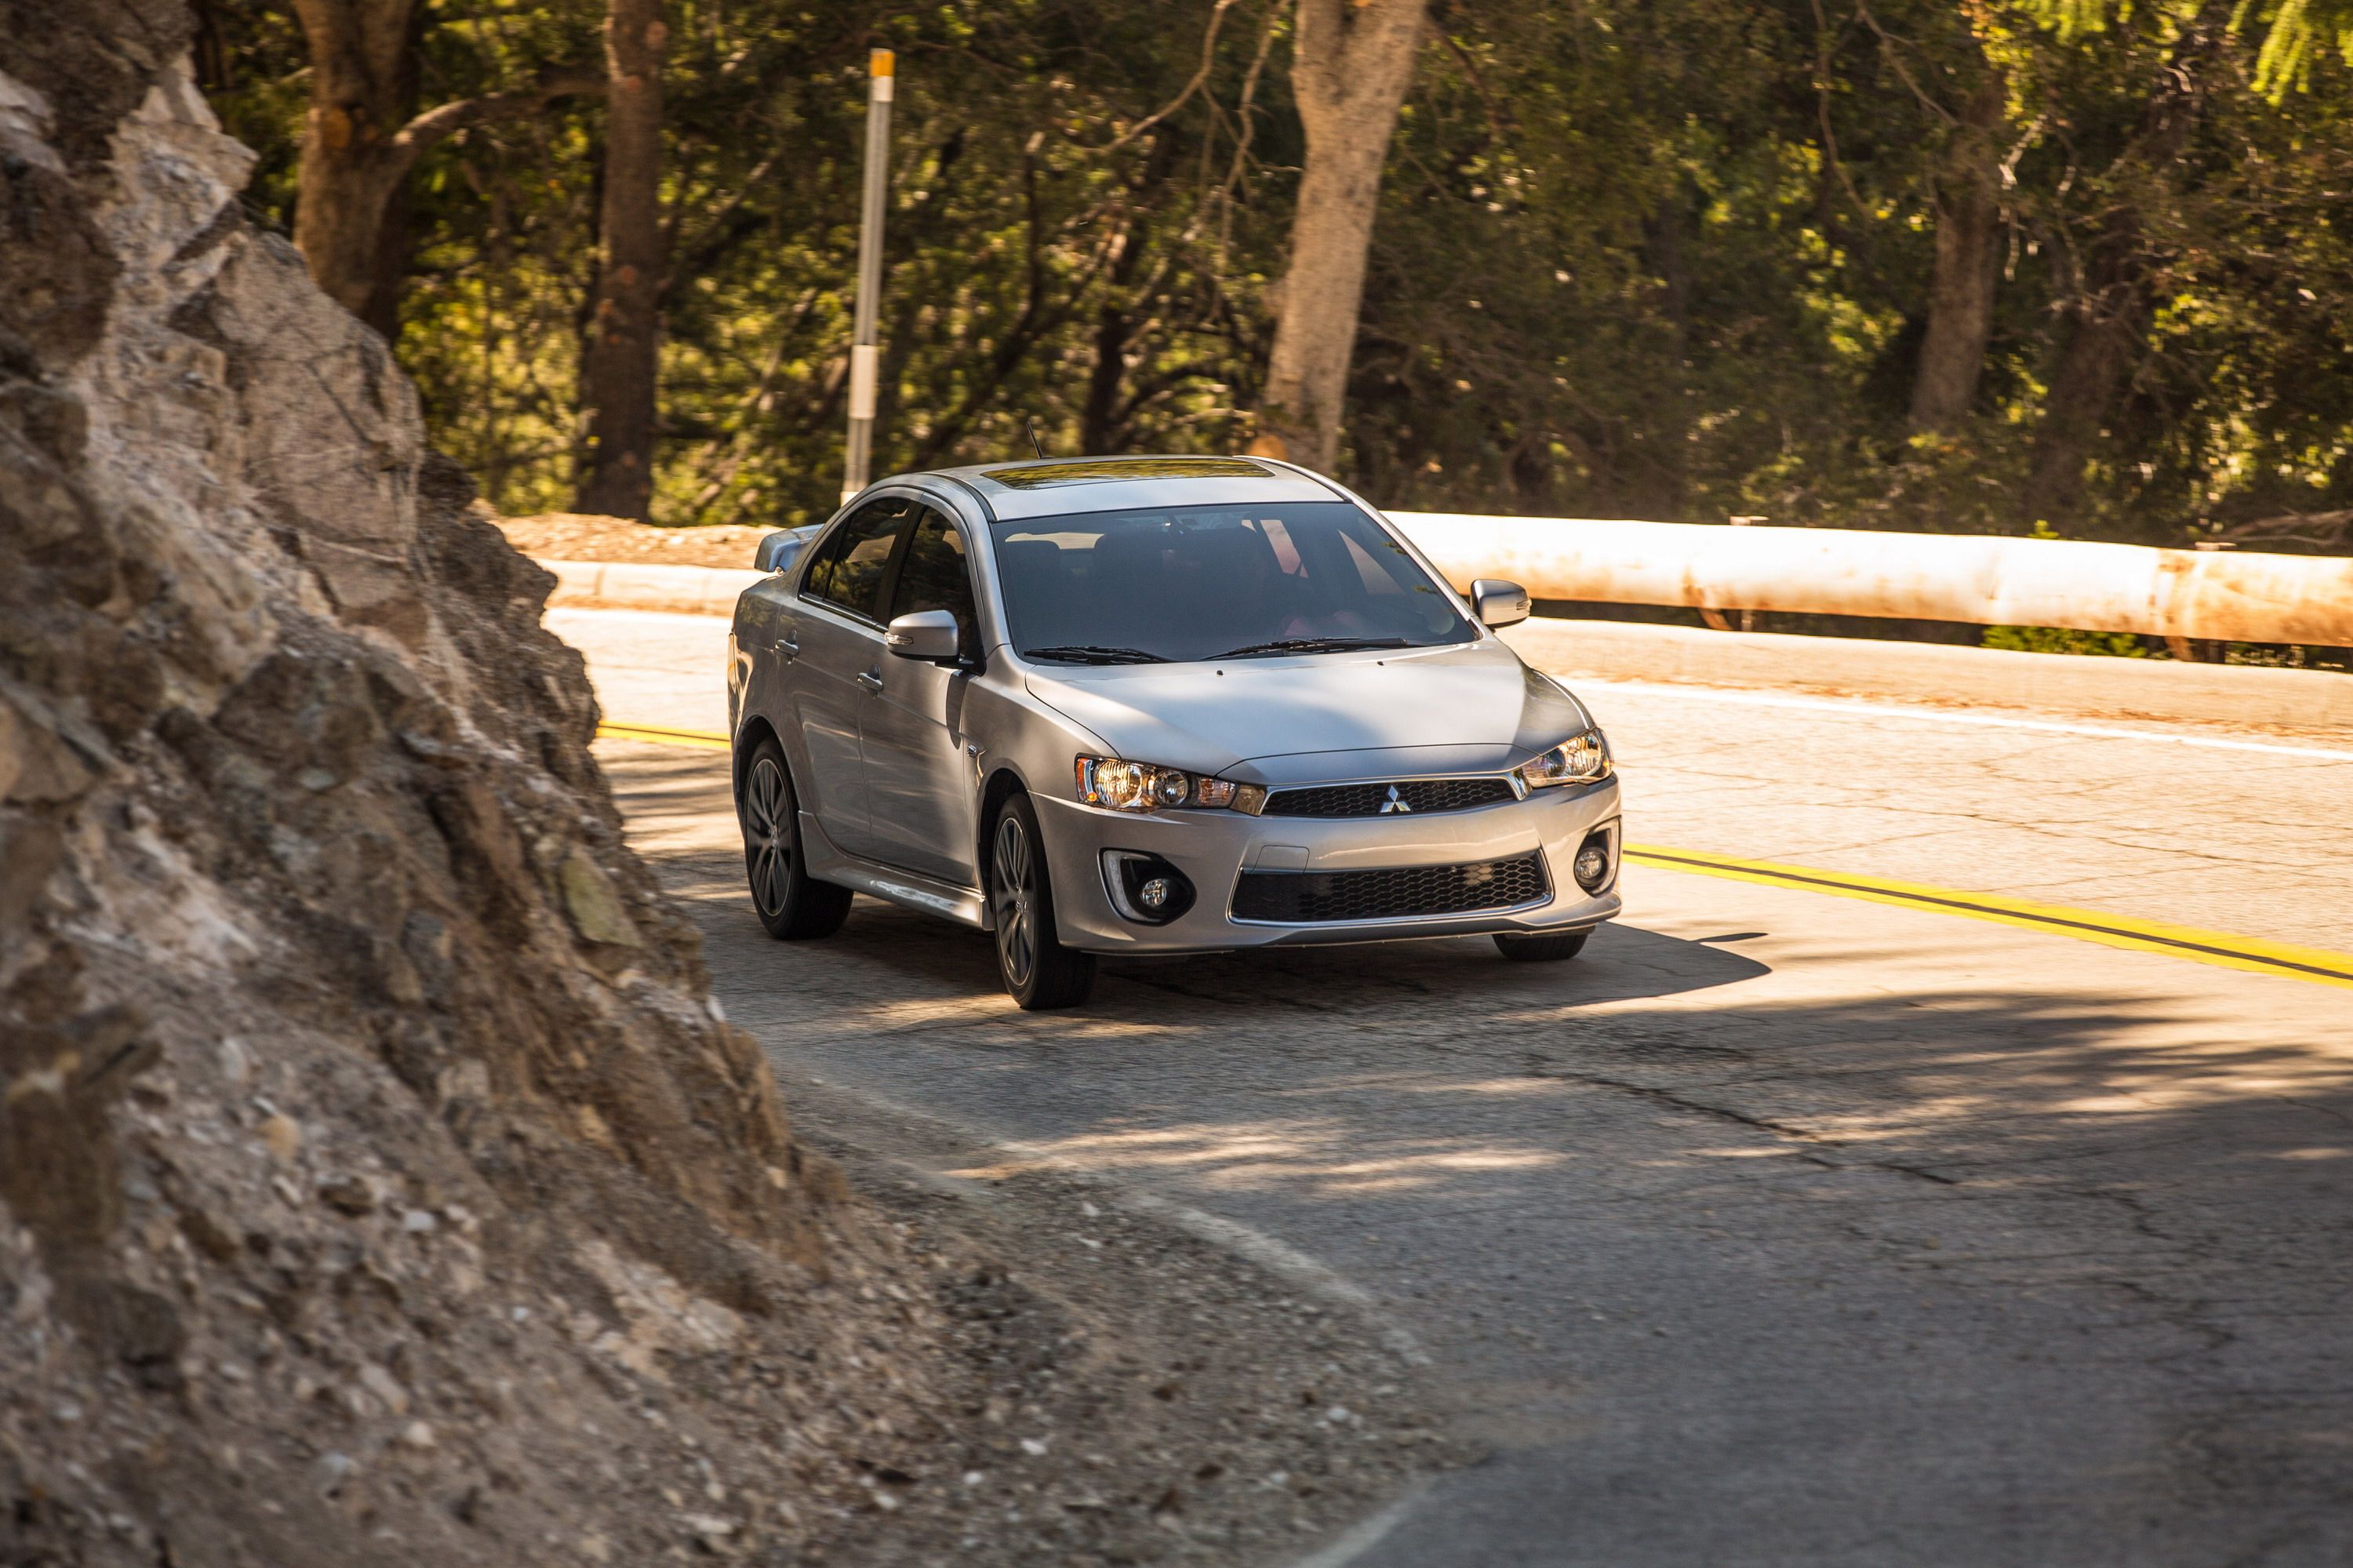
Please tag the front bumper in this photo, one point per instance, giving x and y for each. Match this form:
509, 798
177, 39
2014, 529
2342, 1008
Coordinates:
1214, 847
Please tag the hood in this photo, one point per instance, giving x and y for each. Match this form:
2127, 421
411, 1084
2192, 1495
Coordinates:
1472, 708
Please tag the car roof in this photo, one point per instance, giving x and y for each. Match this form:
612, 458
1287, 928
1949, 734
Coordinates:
1057, 487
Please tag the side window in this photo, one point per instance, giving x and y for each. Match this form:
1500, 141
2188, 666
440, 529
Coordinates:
848, 567
935, 575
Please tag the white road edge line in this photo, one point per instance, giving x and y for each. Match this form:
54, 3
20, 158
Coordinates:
1284, 1262
1367, 1533
1279, 1258
1939, 715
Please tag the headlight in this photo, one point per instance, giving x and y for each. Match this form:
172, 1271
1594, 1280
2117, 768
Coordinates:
1580, 760
1118, 786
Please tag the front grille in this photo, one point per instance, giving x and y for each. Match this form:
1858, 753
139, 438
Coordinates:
1308, 897
1416, 795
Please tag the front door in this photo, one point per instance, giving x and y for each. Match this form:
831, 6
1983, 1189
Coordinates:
837, 643
919, 778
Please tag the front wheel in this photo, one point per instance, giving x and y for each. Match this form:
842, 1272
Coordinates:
792, 904
1038, 971
1523, 949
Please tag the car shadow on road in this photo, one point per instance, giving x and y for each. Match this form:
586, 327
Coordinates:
1621, 963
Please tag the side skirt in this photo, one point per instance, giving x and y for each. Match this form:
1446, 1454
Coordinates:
912, 890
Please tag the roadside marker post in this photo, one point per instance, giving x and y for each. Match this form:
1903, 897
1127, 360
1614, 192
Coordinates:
864, 357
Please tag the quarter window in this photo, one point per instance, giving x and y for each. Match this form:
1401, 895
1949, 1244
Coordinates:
849, 565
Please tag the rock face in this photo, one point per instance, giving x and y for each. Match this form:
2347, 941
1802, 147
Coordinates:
377, 1181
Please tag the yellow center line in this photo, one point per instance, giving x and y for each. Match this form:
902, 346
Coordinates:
700, 740
2225, 949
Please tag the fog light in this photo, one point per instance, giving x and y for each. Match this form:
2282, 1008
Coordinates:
1592, 866
1145, 888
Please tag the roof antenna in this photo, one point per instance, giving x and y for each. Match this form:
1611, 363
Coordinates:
1034, 441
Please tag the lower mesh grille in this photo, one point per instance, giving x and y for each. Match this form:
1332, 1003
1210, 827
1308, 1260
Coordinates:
1307, 897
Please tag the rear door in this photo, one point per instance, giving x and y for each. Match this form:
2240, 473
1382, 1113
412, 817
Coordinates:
919, 781
833, 646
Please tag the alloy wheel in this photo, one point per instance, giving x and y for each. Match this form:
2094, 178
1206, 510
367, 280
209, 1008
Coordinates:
1013, 891
768, 824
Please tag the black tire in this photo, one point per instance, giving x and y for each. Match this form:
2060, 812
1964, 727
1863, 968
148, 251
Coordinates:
1526, 949
792, 904
1038, 971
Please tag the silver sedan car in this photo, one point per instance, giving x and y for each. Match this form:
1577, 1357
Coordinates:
1132, 706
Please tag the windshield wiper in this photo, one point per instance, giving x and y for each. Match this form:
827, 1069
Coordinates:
1312, 645
1091, 653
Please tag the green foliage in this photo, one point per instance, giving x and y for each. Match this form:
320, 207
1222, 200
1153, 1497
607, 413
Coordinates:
2295, 36
2062, 640
1661, 258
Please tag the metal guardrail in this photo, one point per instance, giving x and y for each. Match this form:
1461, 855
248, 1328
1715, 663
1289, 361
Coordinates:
1983, 580
1989, 581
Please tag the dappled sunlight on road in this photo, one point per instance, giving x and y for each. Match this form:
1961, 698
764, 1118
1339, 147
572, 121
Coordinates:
1236, 1157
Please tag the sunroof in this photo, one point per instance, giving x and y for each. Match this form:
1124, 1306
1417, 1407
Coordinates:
1085, 471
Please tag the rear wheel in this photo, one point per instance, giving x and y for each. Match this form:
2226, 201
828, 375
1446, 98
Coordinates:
1038, 971
1530, 950
792, 904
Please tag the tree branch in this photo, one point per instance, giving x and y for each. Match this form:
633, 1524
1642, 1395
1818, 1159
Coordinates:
1208, 58
1496, 117
437, 125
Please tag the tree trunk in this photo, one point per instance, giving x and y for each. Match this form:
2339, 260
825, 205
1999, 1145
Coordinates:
2104, 325
619, 358
363, 89
2108, 319
359, 142
1352, 61
1098, 416
1968, 255
1102, 418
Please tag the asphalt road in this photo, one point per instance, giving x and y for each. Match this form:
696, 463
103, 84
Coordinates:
1779, 1228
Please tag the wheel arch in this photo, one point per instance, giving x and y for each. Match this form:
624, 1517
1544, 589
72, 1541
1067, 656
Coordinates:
1002, 785
747, 740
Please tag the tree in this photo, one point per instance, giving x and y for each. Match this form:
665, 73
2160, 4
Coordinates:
1352, 61
1646, 258
1969, 239
620, 359
2106, 317
362, 136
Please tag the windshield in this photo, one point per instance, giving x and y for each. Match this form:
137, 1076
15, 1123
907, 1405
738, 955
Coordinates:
1204, 582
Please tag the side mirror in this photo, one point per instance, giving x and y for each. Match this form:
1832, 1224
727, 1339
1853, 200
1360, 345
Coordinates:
928, 634
1499, 603
778, 550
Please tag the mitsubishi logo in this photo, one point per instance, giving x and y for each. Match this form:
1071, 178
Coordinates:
1396, 802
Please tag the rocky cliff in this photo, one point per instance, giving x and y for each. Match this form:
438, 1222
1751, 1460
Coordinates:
377, 1180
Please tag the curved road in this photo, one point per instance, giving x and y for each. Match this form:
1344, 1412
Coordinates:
1781, 1227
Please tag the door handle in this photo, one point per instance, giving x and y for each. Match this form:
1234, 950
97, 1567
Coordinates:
871, 681
786, 645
